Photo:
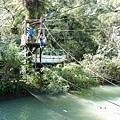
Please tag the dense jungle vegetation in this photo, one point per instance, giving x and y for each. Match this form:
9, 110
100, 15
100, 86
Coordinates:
88, 31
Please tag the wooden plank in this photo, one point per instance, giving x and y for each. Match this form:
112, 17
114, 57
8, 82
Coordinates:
33, 44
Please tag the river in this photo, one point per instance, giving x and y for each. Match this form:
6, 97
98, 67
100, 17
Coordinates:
99, 103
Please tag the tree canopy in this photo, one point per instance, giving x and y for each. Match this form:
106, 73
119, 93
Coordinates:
89, 30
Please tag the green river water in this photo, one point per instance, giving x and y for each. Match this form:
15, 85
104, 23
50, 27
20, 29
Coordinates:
75, 106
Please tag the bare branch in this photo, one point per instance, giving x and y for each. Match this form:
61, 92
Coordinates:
8, 10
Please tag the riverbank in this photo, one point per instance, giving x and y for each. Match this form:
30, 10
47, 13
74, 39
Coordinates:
9, 95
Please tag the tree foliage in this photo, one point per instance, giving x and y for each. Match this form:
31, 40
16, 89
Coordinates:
83, 28
12, 60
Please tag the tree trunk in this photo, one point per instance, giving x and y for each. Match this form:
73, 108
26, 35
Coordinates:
35, 8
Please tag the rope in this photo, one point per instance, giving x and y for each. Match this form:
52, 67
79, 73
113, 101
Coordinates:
45, 104
65, 18
74, 8
67, 30
80, 16
71, 8
50, 49
77, 60
80, 88
60, 45
87, 68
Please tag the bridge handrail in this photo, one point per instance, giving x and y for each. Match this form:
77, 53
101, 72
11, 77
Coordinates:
50, 51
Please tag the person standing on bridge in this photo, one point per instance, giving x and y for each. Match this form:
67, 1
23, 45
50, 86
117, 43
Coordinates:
41, 40
31, 33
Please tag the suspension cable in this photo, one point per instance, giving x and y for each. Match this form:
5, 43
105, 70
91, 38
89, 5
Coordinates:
71, 8
45, 104
79, 66
76, 59
53, 20
67, 30
80, 88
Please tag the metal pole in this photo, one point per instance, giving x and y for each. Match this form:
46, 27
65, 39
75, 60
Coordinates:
40, 53
36, 59
39, 34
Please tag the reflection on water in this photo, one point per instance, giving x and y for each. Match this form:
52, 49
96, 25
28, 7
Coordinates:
27, 108
64, 107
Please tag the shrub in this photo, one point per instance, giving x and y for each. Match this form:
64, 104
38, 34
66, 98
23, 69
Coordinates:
51, 83
73, 73
12, 62
60, 79
105, 67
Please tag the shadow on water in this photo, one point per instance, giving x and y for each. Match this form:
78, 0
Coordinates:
75, 106
69, 106
27, 108
86, 106
107, 92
